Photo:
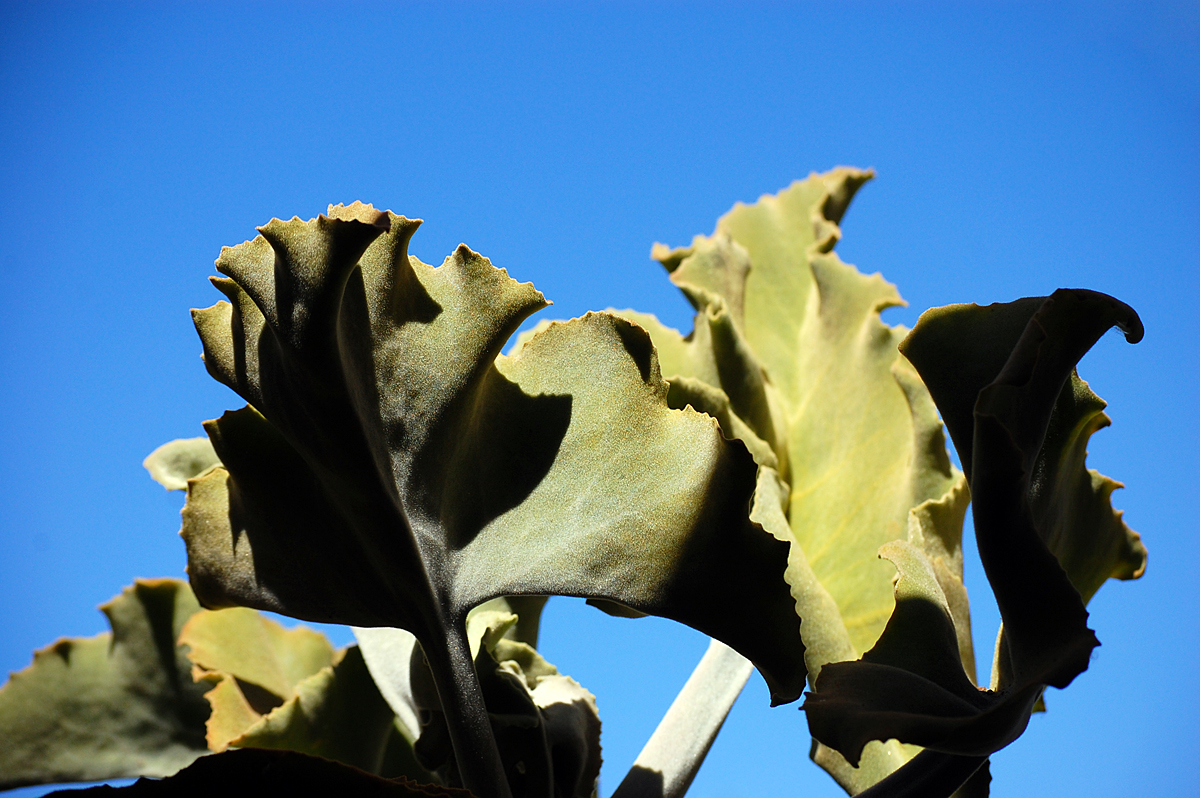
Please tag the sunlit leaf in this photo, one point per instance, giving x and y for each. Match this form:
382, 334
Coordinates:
253, 648
254, 663
173, 464
789, 353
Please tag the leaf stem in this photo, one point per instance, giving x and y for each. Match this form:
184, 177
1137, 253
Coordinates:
673, 754
475, 752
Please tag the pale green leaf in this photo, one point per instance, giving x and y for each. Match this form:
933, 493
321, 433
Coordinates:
173, 464
791, 338
118, 705
389, 655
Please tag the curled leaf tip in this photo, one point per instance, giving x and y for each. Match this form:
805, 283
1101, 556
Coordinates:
1003, 377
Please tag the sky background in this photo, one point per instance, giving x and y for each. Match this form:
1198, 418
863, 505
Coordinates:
1019, 148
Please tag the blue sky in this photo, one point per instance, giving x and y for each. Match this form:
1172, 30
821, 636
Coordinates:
1019, 148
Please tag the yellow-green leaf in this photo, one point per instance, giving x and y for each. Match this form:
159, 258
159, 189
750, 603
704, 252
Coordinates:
791, 338
253, 648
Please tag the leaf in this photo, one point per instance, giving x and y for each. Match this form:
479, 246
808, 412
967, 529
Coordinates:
930, 773
1027, 433
395, 471
390, 656
809, 334
117, 705
256, 649
672, 756
789, 354
1038, 415
262, 772
336, 713
255, 664
173, 464
288, 689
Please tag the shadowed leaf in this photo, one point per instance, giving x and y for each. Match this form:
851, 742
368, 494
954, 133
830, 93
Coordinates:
1026, 439
545, 723
262, 772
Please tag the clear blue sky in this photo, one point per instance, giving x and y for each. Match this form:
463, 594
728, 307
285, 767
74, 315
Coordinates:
1019, 148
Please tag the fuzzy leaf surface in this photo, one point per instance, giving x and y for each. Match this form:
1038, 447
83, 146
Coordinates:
175, 462
795, 340
390, 452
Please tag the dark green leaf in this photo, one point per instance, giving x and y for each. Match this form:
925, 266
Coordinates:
1027, 436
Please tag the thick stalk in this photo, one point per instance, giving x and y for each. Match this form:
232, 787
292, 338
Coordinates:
673, 754
475, 751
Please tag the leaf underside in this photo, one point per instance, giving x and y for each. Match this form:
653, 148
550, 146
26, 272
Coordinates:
392, 452
264, 772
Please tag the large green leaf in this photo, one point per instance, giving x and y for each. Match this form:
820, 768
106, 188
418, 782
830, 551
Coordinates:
393, 470
1047, 533
793, 337
118, 705
789, 353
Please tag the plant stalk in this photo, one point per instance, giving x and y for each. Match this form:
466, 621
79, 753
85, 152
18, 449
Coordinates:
475, 752
674, 753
